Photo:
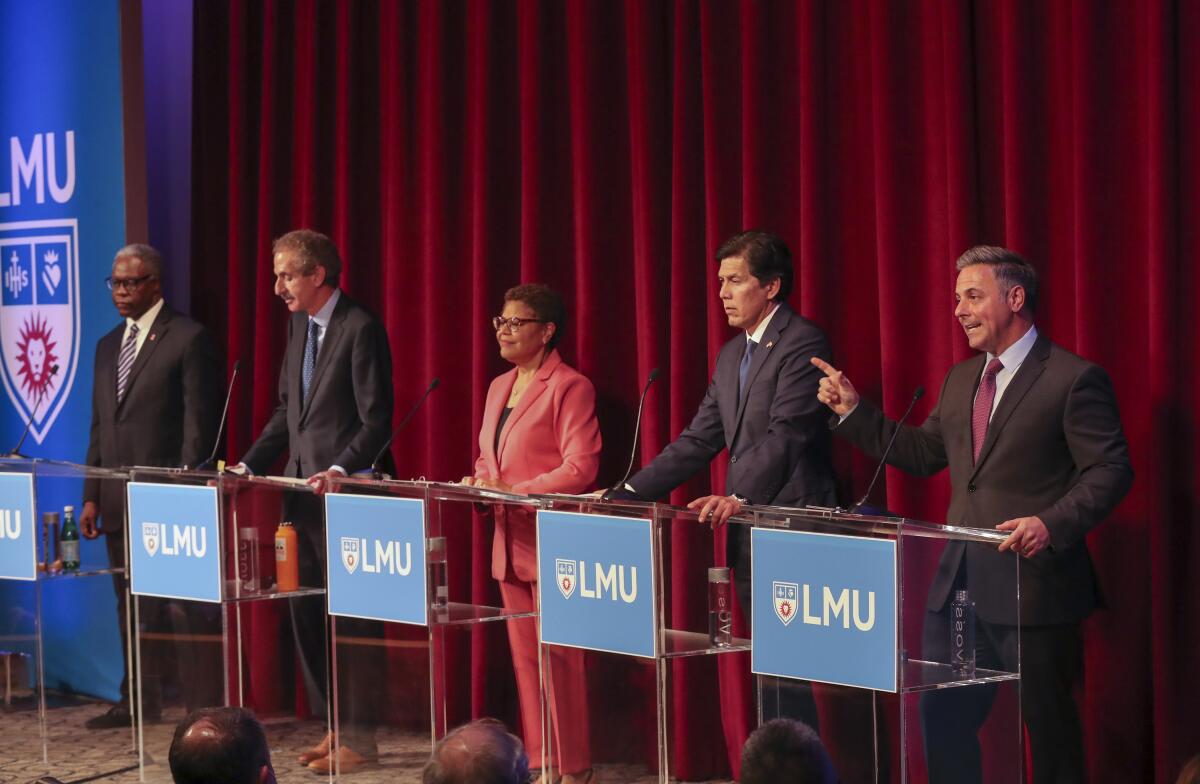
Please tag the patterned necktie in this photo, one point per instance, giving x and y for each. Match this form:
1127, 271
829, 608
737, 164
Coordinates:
744, 367
983, 404
310, 358
125, 360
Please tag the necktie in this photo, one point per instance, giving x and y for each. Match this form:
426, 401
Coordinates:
744, 367
983, 404
125, 360
310, 358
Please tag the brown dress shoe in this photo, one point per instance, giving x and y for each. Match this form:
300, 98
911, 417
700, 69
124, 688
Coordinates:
318, 751
346, 760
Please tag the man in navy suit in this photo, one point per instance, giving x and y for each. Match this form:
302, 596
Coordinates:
334, 416
761, 406
155, 402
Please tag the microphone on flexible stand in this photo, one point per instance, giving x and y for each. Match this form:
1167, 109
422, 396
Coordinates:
861, 507
403, 423
16, 450
212, 459
636, 429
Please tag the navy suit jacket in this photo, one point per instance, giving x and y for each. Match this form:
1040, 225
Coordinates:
776, 434
1054, 449
348, 415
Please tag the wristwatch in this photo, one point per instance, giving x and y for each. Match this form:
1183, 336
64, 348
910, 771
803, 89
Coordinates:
741, 499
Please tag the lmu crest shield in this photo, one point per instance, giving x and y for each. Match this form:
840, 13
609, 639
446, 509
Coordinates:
785, 595
351, 554
565, 574
39, 317
151, 537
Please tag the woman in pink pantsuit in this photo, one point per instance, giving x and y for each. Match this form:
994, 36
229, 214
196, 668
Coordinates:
539, 435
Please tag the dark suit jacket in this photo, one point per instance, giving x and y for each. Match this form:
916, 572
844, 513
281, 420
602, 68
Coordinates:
779, 450
1054, 449
348, 415
170, 412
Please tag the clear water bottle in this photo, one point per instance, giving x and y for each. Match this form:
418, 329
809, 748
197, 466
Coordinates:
439, 588
962, 634
720, 608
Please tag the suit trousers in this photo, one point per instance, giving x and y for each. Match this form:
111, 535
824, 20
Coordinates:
361, 667
114, 542
570, 748
1051, 661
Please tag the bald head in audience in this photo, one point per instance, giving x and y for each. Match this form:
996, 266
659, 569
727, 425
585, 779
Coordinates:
785, 750
220, 746
482, 752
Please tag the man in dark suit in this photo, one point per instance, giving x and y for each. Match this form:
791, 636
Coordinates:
760, 406
333, 418
155, 402
1034, 444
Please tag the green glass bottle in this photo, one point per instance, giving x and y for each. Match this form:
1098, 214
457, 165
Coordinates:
70, 541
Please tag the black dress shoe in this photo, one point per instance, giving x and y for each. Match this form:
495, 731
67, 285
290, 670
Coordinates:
119, 716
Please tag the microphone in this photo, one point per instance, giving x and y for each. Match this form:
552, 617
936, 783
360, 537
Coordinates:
636, 429
16, 450
212, 459
917, 393
403, 423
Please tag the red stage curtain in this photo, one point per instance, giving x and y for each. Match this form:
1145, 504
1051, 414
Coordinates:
453, 149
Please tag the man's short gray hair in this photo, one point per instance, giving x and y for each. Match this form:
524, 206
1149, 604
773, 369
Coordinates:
1009, 268
150, 257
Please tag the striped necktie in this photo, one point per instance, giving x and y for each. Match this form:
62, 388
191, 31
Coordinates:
984, 398
125, 360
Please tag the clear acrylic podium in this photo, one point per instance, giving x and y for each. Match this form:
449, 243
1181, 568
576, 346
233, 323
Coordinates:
423, 673
41, 709
241, 650
872, 735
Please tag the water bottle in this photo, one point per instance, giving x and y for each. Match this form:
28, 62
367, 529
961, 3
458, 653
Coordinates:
720, 609
249, 560
962, 635
69, 541
439, 589
287, 559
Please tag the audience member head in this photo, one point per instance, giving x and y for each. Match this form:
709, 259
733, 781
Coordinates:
785, 750
1190, 773
220, 746
482, 752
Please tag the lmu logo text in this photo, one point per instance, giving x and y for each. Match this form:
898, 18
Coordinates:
189, 541
390, 557
10, 523
610, 581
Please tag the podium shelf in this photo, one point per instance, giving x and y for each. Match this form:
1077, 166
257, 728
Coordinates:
459, 613
925, 676
675, 643
233, 596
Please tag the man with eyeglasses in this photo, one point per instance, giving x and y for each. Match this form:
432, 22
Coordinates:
156, 400
334, 416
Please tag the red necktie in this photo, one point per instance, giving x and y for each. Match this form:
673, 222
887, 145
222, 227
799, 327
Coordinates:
983, 404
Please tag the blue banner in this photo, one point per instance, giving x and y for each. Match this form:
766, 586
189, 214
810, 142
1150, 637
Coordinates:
596, 582
18, 528
174, 542
824, 608
62, 217
375, 551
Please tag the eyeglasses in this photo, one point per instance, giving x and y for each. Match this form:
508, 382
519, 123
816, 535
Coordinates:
512, 324
126, 284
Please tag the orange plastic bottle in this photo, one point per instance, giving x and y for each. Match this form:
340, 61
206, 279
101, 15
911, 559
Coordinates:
287, 565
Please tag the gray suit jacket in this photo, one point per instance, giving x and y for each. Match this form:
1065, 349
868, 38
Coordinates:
169, 414
1054, 449
779, 450
348, 415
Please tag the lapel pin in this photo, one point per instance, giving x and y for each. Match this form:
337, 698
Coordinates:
153, 336
769, 344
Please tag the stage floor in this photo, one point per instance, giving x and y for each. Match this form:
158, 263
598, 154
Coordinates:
105, 755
